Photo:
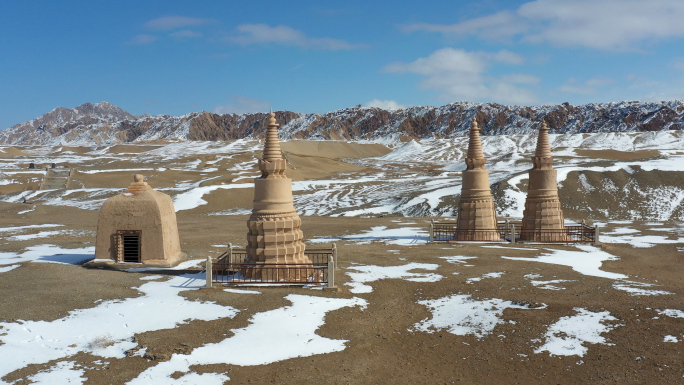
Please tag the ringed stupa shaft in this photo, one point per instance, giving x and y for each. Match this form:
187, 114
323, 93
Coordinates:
543, 217
476, 214
274, 235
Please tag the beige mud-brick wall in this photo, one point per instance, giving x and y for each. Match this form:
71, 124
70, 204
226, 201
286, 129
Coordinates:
142, 209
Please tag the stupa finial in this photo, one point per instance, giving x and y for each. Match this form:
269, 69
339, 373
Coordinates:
138, 185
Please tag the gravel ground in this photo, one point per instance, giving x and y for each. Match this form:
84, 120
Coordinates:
383, 345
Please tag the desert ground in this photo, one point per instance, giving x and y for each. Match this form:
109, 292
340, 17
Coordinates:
408, 311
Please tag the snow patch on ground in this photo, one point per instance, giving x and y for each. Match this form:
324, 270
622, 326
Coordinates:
40, 234
107, 329
636, 241
548, 285
151, 277
239, 291
458, 259
371, 273
488, 275
272, 336
460, 314
587, 260
674, 313
670, 338
5, 269
61, 373
322, 240
193, 198
637, 288
404, 236
181, 266
567, 336
48, 253
22, 228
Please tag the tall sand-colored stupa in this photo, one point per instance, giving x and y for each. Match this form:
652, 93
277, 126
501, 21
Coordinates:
543, 217
274, 235
476, 214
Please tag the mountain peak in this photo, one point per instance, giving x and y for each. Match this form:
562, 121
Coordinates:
105, 123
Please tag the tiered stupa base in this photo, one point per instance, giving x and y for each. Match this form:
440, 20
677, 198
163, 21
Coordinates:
543, 221
477, 220
275, 242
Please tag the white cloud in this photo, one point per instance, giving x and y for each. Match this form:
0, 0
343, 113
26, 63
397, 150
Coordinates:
185, 34
388, 105
589, 87
142, 39
599, 24
520, 79
501, 25
173, 22
242, 105
644, 88
508, 57
678, 65
461, 75
281, 34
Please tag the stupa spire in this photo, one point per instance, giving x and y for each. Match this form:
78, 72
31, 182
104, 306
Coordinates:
476, 215
272, 145
474, 145
543, 146
543, 217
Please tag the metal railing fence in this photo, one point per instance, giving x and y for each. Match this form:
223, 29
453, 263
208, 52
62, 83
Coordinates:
508, 231
233, 268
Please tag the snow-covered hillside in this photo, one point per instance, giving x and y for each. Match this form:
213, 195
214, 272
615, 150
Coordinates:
601, 176
103, 123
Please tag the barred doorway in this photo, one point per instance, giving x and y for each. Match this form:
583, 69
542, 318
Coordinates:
128, 246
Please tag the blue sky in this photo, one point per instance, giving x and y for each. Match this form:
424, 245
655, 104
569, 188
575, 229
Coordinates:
174, 57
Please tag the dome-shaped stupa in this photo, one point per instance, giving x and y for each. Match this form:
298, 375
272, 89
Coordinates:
138, 226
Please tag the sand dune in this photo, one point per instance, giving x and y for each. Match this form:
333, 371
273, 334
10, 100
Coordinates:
334, 149
617, 155
11, 151
130, 149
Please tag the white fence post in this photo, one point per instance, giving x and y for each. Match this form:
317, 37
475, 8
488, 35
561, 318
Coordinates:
432, 230
596, 235
332, 265
331, 272
334, 253
209, 270
513, 233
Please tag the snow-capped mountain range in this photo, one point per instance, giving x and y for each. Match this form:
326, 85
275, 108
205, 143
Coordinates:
104, 123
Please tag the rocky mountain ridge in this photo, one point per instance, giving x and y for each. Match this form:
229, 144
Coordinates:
104, 123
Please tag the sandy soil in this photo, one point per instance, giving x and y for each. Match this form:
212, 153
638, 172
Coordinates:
383, 346
617, 155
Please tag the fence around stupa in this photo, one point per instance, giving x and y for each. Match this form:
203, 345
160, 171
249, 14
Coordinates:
512, 232
233, 268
